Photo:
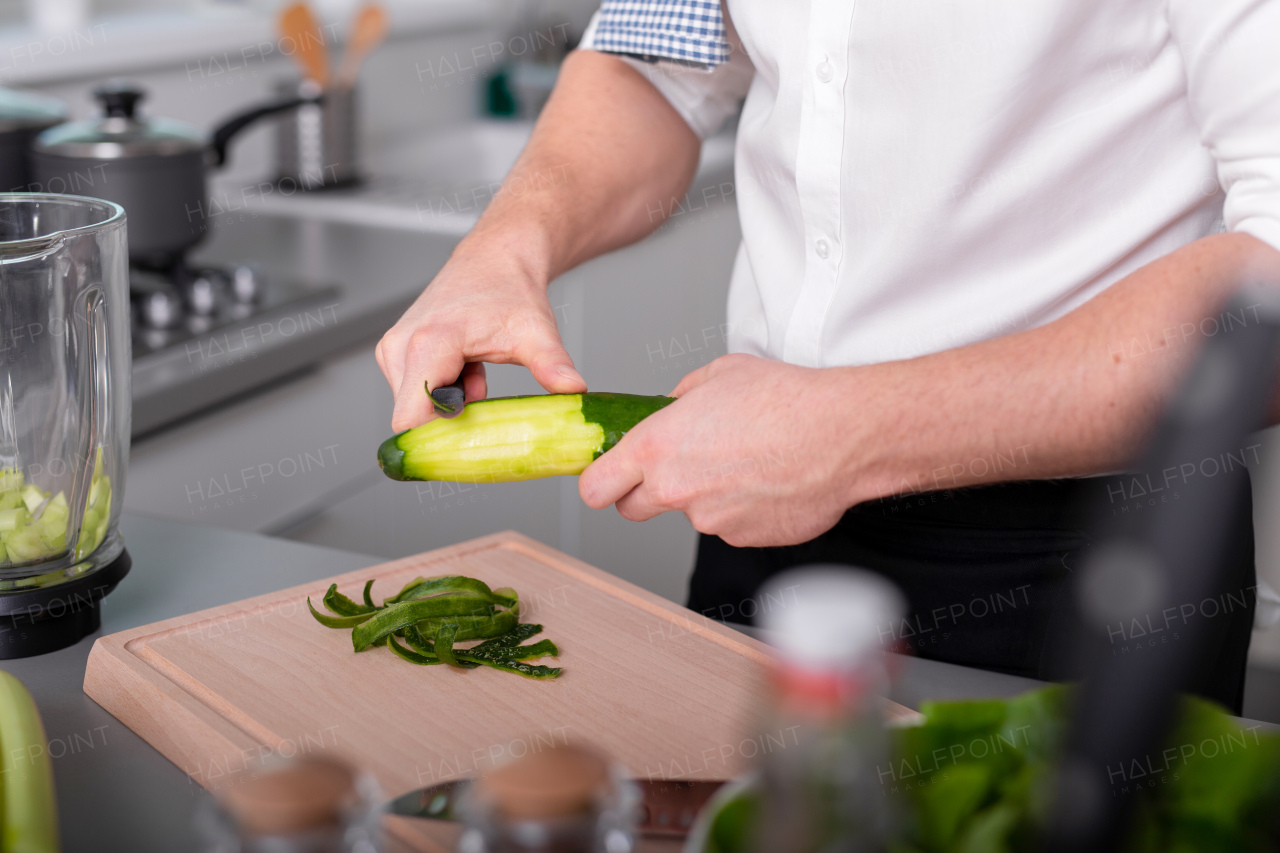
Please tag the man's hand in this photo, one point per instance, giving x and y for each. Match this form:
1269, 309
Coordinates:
481, 307
607, 150
749, 452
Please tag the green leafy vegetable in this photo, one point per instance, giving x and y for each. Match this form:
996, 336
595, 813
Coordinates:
974, 776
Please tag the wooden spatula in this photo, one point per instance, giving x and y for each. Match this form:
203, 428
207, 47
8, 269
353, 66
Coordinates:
298, 23
368, 29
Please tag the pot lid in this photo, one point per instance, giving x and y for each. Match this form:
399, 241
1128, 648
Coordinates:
24, 111
120, 134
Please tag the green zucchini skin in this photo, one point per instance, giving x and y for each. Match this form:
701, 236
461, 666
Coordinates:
516, 438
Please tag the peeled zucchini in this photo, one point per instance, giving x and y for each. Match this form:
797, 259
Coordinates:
516, 438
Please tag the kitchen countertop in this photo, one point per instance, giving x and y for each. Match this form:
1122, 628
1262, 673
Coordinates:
115, 792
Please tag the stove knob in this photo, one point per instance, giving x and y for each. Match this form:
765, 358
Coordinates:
161, 309
202, 295
244, 284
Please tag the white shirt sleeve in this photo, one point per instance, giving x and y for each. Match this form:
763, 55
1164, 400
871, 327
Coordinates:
703, 98
1229, 48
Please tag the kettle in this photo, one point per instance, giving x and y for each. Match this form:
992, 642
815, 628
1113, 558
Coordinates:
64, 415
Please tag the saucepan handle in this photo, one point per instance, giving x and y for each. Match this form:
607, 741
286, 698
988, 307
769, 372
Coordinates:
232, 126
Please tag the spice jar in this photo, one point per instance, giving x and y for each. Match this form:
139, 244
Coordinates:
569, 799
313, 804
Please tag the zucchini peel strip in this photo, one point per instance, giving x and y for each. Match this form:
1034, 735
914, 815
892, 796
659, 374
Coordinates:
432, 615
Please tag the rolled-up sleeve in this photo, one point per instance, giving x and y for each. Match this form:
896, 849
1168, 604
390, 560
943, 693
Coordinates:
1231, 50
705, 99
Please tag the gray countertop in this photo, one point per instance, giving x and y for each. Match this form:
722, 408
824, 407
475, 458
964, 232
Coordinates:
115, 792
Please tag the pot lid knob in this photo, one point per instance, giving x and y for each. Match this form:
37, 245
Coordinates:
119, 100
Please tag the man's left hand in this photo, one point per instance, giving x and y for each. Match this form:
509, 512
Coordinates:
752, 451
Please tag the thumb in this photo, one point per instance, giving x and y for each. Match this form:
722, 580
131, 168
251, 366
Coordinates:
692, 380
550, 364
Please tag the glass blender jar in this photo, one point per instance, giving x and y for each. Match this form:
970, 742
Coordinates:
64, 415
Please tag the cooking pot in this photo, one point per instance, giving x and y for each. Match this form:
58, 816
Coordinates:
22, 116
154, 168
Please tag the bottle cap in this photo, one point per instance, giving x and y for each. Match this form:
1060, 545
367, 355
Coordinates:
304, 794
829, 616
558, 782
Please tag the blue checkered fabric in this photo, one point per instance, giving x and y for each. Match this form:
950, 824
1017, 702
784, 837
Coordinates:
690, 32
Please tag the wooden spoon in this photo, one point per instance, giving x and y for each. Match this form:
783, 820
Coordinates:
299, 23
368, 29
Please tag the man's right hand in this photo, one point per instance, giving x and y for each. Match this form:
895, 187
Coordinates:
482, 307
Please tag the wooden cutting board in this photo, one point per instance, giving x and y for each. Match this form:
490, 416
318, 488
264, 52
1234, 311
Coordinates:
663, 690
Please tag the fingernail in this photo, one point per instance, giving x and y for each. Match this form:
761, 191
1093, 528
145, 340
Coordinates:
568, 372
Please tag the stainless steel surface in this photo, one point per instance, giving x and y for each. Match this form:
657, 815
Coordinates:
245, 287
316, 145
434, 802
158, 311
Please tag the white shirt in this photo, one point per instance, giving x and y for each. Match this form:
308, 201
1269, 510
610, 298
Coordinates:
916, 175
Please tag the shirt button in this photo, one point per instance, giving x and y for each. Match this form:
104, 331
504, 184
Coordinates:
823, 248
825, 71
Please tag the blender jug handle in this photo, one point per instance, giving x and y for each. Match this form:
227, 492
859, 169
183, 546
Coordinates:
94, 404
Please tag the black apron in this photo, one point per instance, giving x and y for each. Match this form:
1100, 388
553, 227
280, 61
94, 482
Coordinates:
986, 572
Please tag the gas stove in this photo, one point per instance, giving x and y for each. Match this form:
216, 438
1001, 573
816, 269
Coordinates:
203, 334
176, 306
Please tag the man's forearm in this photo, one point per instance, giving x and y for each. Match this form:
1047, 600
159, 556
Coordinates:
607, 150
1074, 397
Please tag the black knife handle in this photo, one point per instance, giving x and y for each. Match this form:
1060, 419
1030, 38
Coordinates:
448, 400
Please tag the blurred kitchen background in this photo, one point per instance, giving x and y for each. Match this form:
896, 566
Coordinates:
268, 422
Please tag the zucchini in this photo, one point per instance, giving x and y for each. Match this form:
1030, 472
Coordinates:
516, 438
28, 805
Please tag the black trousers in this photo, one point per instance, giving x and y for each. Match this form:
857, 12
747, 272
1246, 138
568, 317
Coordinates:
986, 572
